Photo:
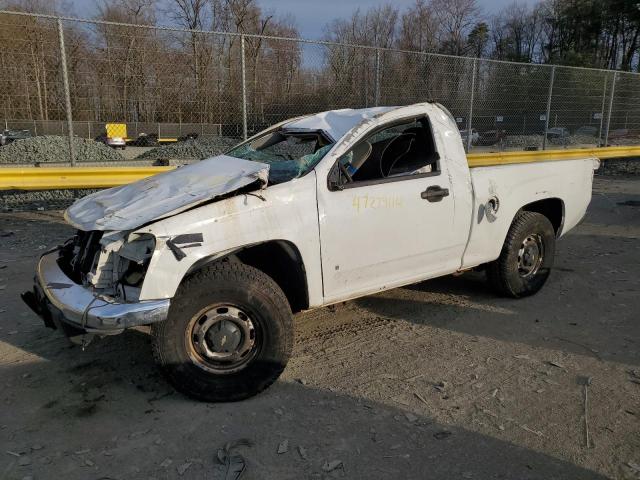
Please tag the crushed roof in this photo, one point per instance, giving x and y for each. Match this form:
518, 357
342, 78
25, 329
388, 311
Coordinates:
336, 123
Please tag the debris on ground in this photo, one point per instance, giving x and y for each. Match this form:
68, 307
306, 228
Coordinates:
303, 452
557, 365
283, 447
530, 430
585, 382
183, 468
411, 417
332, 465
231, 465
634, 466
55, 149
442, 435
421, 398
440, 386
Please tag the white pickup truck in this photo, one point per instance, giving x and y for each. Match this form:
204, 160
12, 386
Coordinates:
217, 256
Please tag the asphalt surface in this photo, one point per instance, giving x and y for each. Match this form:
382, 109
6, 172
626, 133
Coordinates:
439, 380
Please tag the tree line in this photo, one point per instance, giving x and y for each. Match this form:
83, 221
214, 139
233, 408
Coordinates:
119, 72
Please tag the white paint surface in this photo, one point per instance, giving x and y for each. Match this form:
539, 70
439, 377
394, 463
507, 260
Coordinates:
152, 198
348, 247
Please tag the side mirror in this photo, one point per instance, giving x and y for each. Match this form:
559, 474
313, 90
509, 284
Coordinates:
334, 180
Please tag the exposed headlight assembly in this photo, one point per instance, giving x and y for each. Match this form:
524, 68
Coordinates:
135, 254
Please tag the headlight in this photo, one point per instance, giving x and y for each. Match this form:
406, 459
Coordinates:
135, 256
138, 247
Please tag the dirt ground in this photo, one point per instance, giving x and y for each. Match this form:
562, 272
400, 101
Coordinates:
439, 380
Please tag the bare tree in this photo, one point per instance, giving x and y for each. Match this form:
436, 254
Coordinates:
456, 18
419, 28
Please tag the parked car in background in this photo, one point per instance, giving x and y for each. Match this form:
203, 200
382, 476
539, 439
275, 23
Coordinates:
9, 136
113, 142
188, 136
146, 140
558, 132
475, 136
588, 130
490, 137
619, 133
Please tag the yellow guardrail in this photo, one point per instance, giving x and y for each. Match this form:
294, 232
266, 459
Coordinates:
45, 178
506, 158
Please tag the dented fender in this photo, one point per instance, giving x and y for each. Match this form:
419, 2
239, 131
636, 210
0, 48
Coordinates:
288, 212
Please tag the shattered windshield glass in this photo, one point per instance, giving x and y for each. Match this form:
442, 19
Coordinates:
288, 154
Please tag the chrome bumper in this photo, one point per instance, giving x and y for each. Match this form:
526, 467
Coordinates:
59, 299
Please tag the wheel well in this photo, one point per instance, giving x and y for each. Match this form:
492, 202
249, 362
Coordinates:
282, 261
552, 208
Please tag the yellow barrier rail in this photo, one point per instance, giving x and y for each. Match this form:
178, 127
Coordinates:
506, 158
45, 178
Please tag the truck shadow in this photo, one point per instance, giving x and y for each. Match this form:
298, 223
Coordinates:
107, 413
562, 316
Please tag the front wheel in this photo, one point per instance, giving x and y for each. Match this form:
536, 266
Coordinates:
228, 336
526, 258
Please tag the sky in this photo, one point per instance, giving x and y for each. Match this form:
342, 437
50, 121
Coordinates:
312, 15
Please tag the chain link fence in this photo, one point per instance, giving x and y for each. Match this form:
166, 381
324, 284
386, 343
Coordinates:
69, 77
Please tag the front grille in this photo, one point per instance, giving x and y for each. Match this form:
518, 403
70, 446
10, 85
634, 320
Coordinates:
78, 255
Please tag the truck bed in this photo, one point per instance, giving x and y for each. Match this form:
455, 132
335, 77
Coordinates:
499, 191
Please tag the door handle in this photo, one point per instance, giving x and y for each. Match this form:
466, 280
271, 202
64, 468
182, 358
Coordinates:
434, 193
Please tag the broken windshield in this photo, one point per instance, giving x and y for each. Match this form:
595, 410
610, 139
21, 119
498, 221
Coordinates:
288, 154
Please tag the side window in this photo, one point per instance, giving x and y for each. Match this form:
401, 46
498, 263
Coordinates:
399, 150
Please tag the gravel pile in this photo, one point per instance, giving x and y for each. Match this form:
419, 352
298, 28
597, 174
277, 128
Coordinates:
17, 200
583, 140
523, 141
197, 149
625, 142
620, 166
54, 148
520, 142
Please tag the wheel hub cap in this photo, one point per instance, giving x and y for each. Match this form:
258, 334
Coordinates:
222, 339
530, 256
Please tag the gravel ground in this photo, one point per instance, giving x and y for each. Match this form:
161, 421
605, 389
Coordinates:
197, 149
55, 149
519, 142
439, 380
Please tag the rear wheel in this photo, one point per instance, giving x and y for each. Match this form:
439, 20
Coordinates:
228, 336
526, 258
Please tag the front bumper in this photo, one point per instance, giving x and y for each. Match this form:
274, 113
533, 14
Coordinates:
58, 300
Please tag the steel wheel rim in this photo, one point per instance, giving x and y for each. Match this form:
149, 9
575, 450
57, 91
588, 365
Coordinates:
530, 256
222, 339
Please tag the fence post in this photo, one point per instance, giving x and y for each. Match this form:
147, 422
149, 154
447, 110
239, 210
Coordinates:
470, 115
613, 92
244, 89
67, 93
548, 114
604, 99
377, 89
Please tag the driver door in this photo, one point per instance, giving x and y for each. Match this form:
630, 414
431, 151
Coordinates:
387, 213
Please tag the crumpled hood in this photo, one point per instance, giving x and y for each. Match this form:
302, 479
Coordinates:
159, 196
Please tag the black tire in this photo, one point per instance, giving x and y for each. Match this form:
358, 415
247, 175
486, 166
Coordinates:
220, 286
511, 275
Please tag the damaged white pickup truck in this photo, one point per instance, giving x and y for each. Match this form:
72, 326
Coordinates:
216, 256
